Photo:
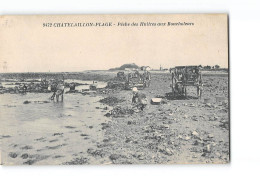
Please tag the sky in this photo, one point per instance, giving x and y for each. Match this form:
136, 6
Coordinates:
27, 46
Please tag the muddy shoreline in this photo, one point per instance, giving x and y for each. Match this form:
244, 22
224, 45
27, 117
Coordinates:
177, 131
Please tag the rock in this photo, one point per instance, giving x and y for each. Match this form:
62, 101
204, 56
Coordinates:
141, 157
114, 156
83, 135
224, 124
164, 126
13, 155
224, 103
208, 148
77, 161
26, 102
24, 156
108, 114
95, 153
165, 150
127, 140
56, 134
195, 118
194, 133
211, 136
214, 118
30, 162
27, 147
70, 127
187, 138
111, 101
220, 99
192, 105
196, 143
168, 151
207, 100
131, 123
208, 105
218, 154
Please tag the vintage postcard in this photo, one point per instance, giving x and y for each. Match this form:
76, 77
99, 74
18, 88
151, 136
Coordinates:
114, 89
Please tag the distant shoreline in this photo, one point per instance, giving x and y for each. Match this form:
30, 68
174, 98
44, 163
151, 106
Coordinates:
97, 75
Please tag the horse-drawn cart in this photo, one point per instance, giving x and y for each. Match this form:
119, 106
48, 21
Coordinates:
184, 76
138, 80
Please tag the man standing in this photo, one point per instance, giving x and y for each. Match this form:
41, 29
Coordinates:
53, 89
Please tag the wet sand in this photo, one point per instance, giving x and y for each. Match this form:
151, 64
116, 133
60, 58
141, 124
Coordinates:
177, 131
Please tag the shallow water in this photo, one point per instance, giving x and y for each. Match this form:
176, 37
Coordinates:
48, 132
100, 84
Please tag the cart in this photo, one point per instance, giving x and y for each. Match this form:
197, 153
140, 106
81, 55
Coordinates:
184, 76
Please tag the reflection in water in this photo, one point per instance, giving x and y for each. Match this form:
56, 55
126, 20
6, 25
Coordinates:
58, 106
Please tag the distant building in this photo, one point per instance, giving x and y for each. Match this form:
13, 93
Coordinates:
145, 68
131, 69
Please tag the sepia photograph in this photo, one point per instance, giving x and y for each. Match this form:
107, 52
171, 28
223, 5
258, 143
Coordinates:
114, 89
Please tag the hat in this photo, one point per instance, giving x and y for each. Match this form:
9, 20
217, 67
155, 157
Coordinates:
134, 89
